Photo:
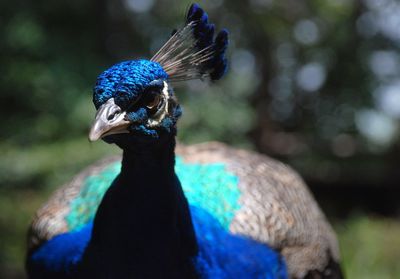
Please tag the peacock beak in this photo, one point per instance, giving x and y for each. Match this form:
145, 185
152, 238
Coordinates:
109, 120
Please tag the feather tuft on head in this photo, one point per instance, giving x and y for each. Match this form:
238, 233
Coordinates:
192, 52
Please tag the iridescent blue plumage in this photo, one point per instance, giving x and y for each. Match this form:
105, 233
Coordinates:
221, 255
224, 255
60, 256
125, 81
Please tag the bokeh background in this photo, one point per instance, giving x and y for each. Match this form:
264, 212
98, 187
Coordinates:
313, 83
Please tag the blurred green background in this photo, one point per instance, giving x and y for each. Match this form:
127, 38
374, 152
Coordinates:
313, 83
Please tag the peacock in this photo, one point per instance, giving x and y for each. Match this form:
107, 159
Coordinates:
166, 210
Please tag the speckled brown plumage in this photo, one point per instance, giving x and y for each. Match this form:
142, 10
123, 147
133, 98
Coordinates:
276, 208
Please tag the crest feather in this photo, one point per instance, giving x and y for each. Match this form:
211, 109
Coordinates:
192, 52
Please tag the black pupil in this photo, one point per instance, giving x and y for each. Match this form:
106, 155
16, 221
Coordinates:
150, 99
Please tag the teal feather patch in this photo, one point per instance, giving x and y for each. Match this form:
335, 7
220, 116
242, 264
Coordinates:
209, 186
84, 206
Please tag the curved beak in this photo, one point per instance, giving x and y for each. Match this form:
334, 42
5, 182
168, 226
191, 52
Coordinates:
109, 120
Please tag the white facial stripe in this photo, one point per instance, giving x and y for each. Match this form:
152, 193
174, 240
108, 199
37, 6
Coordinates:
166, 96
159, 116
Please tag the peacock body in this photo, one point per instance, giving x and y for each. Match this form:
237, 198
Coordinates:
201, 211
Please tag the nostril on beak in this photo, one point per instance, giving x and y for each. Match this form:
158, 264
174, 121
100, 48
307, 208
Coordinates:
113, 115
110, 119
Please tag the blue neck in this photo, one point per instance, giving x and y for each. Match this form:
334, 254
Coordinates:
143, 227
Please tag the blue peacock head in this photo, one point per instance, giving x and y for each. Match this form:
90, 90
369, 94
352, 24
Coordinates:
135, 98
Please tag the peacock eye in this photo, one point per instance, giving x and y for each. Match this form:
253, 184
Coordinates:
153, 101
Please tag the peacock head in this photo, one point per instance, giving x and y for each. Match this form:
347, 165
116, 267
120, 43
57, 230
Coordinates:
134, 99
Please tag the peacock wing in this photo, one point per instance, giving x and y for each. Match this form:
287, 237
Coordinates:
74, 204
266, 201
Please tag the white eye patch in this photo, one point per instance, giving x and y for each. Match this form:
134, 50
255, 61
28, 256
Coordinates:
156, 119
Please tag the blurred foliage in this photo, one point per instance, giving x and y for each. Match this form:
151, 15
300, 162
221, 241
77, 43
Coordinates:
314, 83
369, 247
